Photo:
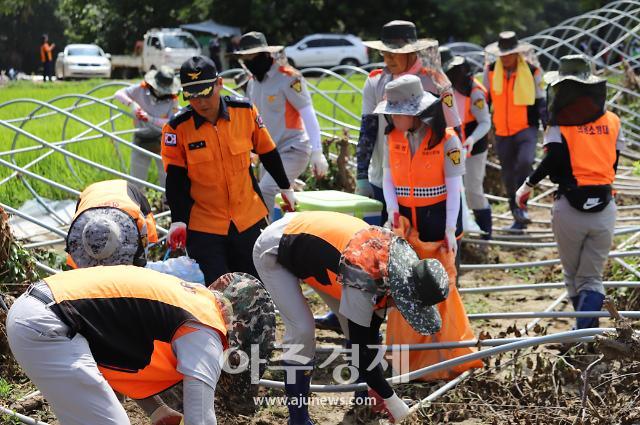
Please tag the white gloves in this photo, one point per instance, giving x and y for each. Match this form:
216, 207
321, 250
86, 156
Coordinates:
177, 237
289, 200
393, 406
363, 188
468, 143
164, 415
523, 194
319, 164
450, 242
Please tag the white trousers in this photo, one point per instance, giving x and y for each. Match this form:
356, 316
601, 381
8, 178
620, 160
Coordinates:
286, 292
475, 168
63, 369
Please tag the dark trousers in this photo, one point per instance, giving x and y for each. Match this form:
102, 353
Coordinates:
47, 70
378, 195
220, 254
516, 154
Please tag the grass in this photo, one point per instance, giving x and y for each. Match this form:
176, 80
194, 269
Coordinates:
56, 127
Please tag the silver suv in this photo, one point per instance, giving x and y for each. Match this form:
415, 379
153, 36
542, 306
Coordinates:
327, 50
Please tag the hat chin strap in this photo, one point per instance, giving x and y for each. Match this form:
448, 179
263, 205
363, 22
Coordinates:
113, 238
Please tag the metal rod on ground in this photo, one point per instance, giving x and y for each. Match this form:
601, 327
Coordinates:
22, 418
33, 220
585, 334
46, 268
612, 254
547, 315
539, 287
43, 243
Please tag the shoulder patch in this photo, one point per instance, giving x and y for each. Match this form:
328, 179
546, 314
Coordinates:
296, 85
185, 114
237, 102
454, 156
170, 139
479, 104
289, 70
447, 99
375, 72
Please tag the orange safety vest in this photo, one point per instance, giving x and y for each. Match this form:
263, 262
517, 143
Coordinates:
419, 180
116, 194
45, 52
509, 119
592, 149
129, 316
312, 244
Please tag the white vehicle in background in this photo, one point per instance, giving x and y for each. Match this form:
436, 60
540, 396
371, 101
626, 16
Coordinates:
166, 46
83, 61
327, 50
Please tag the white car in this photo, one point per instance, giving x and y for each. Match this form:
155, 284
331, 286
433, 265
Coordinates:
327, 50
83, 61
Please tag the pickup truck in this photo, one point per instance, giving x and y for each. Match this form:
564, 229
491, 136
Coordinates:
166, 46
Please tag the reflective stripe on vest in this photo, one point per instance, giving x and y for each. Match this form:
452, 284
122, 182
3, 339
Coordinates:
508, 119
592, 149
129, 316
419, 180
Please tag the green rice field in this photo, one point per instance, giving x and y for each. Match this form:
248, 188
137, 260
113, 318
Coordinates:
16, 100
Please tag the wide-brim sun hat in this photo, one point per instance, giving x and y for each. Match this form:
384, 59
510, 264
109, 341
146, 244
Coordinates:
573, 68
255, 42
400, 37
405, 96
163, 81
416, 287
507, 44
378, 262
103, 236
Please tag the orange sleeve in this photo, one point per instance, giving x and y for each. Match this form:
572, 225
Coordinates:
173, 152
262, 141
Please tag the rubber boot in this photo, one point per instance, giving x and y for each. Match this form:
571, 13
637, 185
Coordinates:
298, 394
483, 218
519, 215
328, 322
589, 301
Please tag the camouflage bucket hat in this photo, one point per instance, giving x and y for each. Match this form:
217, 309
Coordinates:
253, 323
416, 286
103, 236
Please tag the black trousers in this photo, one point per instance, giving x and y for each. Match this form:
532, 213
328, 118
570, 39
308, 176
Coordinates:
220, 254
47, 70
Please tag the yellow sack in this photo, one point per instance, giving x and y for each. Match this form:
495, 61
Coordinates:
524, 90
455, 324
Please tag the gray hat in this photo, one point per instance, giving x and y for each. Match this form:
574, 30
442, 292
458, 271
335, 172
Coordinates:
507, 44
575, 68
255, 42
416, 287
103, 236
405, 96
400, 37
163, 81
448, 60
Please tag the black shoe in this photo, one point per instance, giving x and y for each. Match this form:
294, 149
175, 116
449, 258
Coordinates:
328, 322
521, 216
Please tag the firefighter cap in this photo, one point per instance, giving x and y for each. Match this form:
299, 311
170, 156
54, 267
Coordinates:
198, 77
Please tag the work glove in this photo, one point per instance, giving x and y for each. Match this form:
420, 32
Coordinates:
450, 242
177, 237
141, 114
164, 415
363, 188
319, 164
393, 221
523, 194
395, 408
289, 200
468, 145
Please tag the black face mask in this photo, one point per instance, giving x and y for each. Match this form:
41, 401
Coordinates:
460, 77
259, 65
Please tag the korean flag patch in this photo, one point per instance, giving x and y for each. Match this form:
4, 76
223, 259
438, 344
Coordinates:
170, 139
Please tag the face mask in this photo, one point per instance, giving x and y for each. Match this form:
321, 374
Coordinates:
460, 77
259, 65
